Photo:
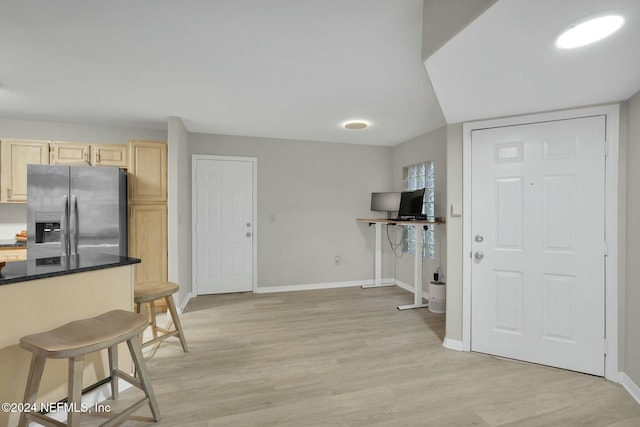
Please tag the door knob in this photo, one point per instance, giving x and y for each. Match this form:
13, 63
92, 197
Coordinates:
478, 256
248, 234
248, 224
479, 238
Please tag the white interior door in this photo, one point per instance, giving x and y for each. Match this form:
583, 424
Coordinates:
223, 225
538, 249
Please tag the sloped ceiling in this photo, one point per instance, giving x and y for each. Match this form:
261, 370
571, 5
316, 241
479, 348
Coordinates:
505, 62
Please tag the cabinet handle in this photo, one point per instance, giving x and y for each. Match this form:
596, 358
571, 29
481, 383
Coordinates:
98, 157
86, 156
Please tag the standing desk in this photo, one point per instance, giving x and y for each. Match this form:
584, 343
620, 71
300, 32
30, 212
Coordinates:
417, 265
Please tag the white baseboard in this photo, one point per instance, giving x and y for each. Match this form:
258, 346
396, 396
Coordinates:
631, 387
452, 344
403, 285
90, 400
183, 303
312, 286
331, 285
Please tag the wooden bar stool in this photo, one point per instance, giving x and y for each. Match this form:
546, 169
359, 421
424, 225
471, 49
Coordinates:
148, 293
76, 339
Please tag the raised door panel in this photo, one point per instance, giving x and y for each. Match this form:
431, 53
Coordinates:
148, 241
16, 155
70, 153
109, 155
148, 169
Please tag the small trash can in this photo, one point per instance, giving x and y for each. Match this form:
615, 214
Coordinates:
437, 297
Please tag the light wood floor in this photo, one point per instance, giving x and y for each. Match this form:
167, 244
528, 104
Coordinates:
347, 357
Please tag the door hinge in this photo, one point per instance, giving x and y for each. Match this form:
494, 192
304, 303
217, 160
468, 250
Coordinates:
605, 347
606, 148
605, 248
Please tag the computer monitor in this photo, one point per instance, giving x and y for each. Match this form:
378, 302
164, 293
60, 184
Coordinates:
411, 203
385, 202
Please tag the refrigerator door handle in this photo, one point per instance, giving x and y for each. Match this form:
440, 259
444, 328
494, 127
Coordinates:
64, 226
73, 225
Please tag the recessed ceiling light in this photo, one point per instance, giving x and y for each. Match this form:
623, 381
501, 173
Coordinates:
589, 31
356, 125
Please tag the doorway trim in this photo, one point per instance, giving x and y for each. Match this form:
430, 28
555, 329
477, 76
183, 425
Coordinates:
254, 213
612, 114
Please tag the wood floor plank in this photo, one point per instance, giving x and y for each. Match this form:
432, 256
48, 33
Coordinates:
348, 357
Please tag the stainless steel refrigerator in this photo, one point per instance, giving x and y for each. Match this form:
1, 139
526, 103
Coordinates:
75, 210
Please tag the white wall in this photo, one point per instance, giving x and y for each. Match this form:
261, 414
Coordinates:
13, 216
309, 195
454, 233
76, 132
179, 208
631, 340
428, 147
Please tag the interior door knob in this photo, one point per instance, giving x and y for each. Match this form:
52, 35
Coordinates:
478, 256
248, 234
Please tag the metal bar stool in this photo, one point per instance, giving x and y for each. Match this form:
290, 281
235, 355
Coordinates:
75, 340
148, 293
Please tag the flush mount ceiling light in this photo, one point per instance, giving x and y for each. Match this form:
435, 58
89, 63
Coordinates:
356, 125
589, 31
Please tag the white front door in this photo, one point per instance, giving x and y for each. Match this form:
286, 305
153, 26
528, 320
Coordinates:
538, 255
223, 224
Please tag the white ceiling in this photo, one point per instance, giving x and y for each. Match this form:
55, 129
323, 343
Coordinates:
278, 68
298, 68
505, 62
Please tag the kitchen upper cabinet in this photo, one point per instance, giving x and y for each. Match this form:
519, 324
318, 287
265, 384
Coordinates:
109, 155
148, 241
70, 153
148, 171
14, 157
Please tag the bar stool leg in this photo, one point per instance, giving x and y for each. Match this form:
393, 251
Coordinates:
113, 367
76, 370
141, 368
176, 321
154, 323
33, 384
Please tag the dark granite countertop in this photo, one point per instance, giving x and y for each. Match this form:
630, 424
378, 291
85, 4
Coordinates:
12, 243
42, 268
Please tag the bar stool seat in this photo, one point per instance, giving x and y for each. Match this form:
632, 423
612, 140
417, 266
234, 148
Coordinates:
76, 339
148, 293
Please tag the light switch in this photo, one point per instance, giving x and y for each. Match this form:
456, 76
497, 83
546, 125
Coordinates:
456, 209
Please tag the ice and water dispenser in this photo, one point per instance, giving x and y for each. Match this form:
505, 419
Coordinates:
47, 228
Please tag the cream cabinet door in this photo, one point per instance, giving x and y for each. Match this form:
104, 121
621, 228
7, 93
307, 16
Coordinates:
109, 155
10, 255
70, 153
15, 156
148, 171
148, 241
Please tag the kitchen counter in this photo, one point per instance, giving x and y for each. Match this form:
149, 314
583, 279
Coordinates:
33, 269
38, 295
12, 243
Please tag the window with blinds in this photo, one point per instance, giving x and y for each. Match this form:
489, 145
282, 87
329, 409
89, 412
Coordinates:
415, 177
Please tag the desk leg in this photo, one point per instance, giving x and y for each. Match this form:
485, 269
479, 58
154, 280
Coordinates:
417, 273
377, 260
